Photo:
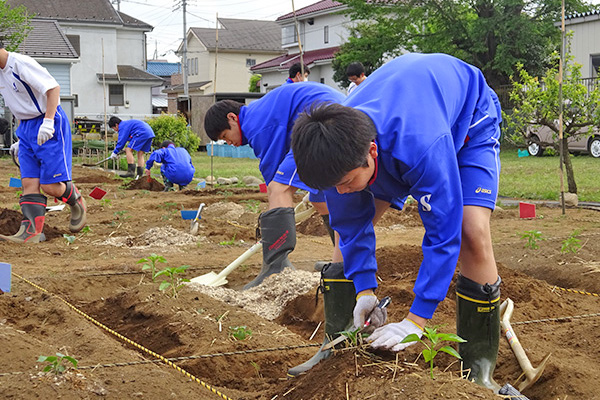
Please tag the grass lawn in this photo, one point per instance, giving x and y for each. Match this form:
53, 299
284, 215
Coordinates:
225, 167
538, 178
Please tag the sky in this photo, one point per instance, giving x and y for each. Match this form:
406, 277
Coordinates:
167, 17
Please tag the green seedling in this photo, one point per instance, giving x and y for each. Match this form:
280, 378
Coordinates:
56, 364
150, 263
571, 244
69, 238
175, 280
168, 205
252, 205
122, 215
532, 237
240, 332
106, 202
86, 229
257, 368
226, 193
432, 346
228, 242
18, 193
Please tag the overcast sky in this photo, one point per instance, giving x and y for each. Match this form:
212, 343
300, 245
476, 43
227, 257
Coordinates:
167, 17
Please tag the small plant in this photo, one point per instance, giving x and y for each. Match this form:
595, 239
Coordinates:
86, 229
435, 339
122, 215
175, 280
252, 205
571, 244
257, 368
69, 238
167, 205
106, 202
18, 193
151, 261
532, 238
240, 332
225, 193
56, 364
228, 242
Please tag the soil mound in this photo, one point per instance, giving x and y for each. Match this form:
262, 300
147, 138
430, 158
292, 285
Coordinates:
313, 226
10, 221
143, 183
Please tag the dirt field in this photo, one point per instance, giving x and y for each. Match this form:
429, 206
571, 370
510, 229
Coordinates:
90, 300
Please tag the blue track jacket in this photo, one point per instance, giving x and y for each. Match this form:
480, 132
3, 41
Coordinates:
267, 123
132, 128
176, 163
423, 107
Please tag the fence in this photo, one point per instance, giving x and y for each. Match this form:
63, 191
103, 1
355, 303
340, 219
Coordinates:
226, 150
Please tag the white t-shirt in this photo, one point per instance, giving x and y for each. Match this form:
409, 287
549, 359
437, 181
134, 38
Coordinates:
23, 84
351, 87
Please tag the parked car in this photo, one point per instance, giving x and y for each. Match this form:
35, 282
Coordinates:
538, 140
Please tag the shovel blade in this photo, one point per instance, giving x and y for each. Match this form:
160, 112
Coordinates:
210, 279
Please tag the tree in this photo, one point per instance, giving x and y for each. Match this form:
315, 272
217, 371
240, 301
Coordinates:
175, 129
14, 25
255, 83
536, 104
493, 35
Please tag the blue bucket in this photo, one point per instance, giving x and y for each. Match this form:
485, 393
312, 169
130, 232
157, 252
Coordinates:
189, 214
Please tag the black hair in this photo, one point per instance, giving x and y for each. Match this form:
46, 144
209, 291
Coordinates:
166, 143
215, 120
113, 121
294, 69
329, 141
355, 69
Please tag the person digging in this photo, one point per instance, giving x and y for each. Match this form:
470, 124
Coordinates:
176, 165
139, 135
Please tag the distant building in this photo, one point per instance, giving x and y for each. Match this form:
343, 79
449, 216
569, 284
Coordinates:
585, 44
164, 70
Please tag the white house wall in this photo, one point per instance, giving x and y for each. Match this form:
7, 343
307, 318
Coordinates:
314, 34
131, 47
585, 43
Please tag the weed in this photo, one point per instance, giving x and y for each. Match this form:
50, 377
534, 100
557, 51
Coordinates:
151, 261
252, 205
56, 363
122, 215
353, 336
240, 332
532, 238
168, 205
571, 244
16, 207
18, 193
228, 242
106, 202
86, 229
175, 281
257, 368
225, 193
435, 339
69, 238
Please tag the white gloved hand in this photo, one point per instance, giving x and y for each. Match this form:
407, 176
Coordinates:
389, 336
365, 308
46, 131
14, 149
114, 156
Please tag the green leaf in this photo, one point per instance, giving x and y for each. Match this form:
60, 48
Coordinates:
451, 351
145, 267
411, 338
162, 272
47, 368
450, 337
44, 359
71, 360
428, 354
164, 285
142, 260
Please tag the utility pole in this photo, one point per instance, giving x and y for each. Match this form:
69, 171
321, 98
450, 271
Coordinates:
185, 66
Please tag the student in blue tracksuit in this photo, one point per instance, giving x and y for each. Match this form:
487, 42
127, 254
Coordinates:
44, 146
425, 125
176, 165
139, 135
295, 73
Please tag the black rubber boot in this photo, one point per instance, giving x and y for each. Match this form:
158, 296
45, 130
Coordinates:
339, 299
33, 207
75, 200
478, 322
325, 218
278, 233
139, 172
130, 171
168, 186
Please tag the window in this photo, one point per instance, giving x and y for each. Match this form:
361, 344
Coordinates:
74, 39
326, 34
288, 34
115, 95
322, 80
250, 62
595, 65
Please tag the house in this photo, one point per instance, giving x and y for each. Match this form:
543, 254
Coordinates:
322, 29
164, 70
111, 46
241, 44
585, 45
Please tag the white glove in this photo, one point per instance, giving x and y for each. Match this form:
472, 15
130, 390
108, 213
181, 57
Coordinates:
14, 149
365, 308
113, 156
389, 336
46, 131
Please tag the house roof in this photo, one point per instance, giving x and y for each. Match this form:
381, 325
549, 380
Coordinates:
95, 11
584, 14
180, 89
285, 61
162, 68
242, 34
47, 40
313, 8
131, 73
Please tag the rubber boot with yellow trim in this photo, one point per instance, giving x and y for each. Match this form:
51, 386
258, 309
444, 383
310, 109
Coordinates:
339, 299
478, 322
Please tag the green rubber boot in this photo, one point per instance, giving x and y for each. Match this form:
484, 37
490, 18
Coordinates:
478, 322
278, 236
339, 299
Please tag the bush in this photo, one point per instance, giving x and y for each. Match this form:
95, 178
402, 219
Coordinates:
174, 128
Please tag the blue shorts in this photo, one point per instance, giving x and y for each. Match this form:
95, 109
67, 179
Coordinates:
50, 162
479, 165
140, 144
287, 174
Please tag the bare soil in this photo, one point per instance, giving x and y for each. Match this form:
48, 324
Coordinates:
90, 300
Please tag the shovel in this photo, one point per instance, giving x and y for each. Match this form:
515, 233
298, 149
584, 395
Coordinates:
98, 163
194, 224
302, 212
